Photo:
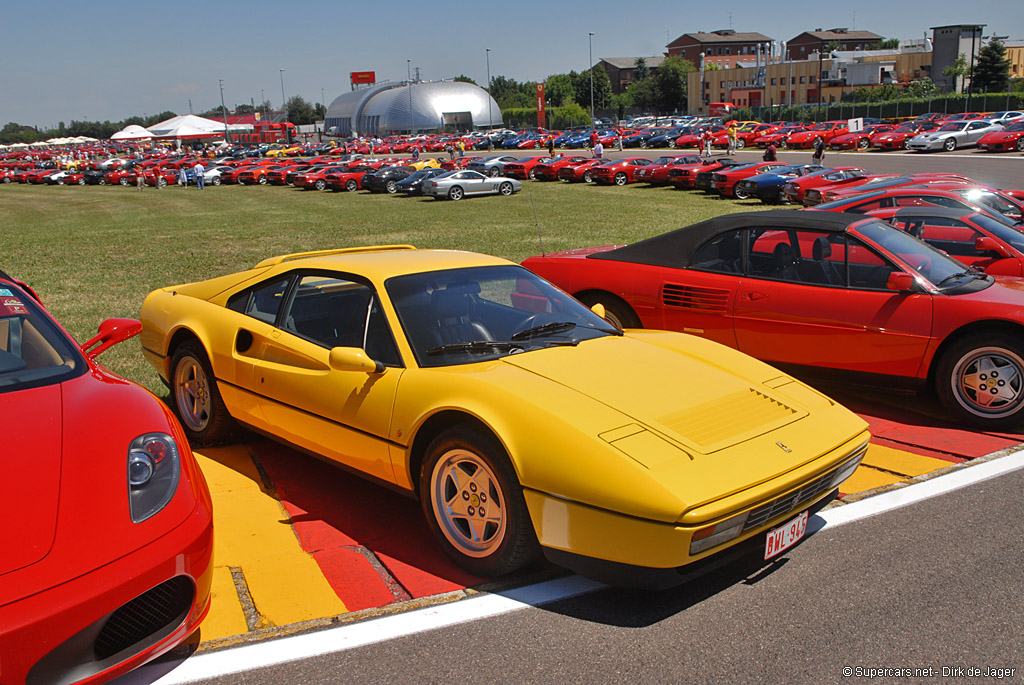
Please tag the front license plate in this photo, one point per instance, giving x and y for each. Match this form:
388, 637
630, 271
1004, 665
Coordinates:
784, 537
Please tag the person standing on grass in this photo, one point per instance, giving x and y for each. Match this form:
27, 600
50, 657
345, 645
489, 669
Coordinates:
183, 176
140, 181
199, 170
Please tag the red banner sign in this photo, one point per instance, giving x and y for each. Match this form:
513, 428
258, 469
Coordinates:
363, 76
540, 105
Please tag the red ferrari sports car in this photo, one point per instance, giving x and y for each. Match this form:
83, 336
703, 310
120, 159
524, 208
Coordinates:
826, 130
795, 190
843, 296
954, 195
1010, 138
860, 140
579, 173
972, 237
108, 538
656, 173
899, 137
619, 171
684, 176
524, 168
548, 171
724, 180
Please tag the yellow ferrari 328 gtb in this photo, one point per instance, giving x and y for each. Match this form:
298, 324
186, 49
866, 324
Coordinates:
524, 422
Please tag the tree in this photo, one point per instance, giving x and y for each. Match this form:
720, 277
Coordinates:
640, 69
887, 44
645, 94
509, 93
992, 70
958, 70
244, 109
602, 88
558, 89
671, 79
465, 79
300, 111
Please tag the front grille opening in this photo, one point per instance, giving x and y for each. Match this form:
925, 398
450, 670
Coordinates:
163, 606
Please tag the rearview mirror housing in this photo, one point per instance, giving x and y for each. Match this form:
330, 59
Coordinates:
900, 281
353, 359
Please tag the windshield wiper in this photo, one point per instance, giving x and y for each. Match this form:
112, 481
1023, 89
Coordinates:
477, 346
545, 329
971, 273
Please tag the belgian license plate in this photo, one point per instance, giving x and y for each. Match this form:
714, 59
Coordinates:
784, 537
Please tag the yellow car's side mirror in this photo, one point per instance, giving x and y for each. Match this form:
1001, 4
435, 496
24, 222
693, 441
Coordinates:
353, 359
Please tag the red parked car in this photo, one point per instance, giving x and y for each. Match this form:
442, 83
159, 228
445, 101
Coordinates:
1010, 138
618, 171
826, 131
794, 190
548, 171
459, 162
866, 184
960, 196
846, 296
108, 551
684, 176
860, 140
779, 138
579, 173
350, 179
656, 173
524, 168
899, 137
724, 180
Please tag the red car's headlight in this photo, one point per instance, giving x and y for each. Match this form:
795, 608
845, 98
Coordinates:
154, 467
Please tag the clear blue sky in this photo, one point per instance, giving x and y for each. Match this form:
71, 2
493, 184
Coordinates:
68, 59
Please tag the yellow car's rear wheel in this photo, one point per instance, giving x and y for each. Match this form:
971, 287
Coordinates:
474, 503
197, 401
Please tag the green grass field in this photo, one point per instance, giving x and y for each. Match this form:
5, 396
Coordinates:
95, 252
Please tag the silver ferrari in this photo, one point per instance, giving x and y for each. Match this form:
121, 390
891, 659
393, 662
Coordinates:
456, 185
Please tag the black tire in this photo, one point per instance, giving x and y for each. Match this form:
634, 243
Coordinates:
740, 143
162, 182
195, 397
493, 172
102, 181
621, 179
1020, 144
587, 176
455, 193
320, 184
980, 380
263, 181
863, 144
741, 194
216, 180
906, 143
532, 175
950, 144
81, 181
390, 188
672, 143
643, 143
351, 185
616, 310
505, 188
480, 518
123, 181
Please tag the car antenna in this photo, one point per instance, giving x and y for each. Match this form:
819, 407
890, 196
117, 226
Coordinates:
537, 221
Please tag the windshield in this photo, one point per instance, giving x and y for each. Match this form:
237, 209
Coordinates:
935, 266
955, 126
462, 316
1000, 230
1019, 126
986, 198
33, 351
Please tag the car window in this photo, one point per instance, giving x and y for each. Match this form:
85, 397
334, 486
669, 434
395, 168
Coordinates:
261, 302
335, 312
723, 253
33, 351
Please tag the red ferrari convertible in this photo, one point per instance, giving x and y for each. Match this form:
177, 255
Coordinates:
108, 540
841, 295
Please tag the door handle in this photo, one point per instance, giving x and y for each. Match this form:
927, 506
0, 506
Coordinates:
755, 296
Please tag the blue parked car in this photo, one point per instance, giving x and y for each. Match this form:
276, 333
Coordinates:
768, 187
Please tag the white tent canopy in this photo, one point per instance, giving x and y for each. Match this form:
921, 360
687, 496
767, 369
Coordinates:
132, 132
189, 126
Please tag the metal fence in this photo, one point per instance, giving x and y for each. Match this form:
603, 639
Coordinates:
907, 108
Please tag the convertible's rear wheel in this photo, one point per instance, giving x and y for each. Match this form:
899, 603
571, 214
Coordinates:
196, 399
474, 503
505, 188
980, 380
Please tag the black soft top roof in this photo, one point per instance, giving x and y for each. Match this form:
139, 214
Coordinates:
676, 248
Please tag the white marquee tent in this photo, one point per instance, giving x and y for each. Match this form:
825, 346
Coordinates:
132, 132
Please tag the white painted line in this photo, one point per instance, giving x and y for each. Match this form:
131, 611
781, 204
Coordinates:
917, 492
275, 652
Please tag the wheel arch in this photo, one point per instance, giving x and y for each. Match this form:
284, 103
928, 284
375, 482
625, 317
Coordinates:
591, 295
976, 328
434, 426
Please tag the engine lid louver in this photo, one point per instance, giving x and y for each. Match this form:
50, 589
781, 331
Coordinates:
711, 300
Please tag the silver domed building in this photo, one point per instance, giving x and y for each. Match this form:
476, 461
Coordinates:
404, 107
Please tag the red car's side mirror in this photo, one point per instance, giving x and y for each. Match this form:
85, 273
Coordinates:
988, 244
900, 281
111, 332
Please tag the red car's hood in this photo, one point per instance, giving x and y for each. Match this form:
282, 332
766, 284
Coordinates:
30, 471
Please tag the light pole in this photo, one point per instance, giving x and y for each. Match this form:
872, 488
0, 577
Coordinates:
590, 42
284, 104
262, 100
408, 73
700, 98
489, 125
224, 111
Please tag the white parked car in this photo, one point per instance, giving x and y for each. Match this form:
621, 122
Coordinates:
455, 185
953, 135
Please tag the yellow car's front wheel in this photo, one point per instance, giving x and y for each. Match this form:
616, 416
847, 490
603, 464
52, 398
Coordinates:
474, 503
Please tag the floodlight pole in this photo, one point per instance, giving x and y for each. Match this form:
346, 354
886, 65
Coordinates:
224, 111
489, 115
590, 41
284, 103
